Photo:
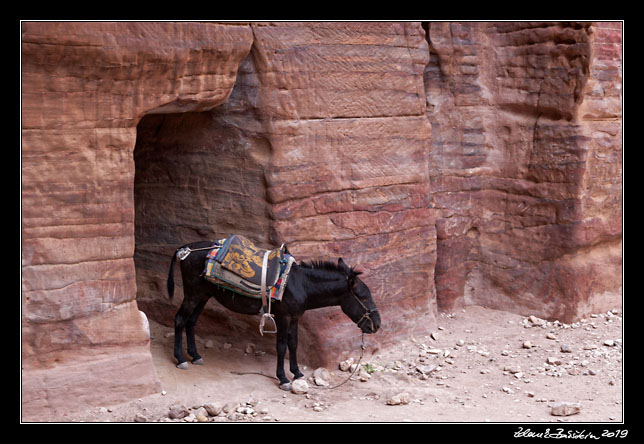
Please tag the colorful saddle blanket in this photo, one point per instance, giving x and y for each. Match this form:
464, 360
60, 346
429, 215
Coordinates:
236, 264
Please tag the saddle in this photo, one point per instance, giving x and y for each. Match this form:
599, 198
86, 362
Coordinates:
238, 265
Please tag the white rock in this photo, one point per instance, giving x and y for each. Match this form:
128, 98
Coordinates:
212, 408
299, 386
565, 409
426, 369
553, 360
321, 373
536, 321
178, 412
320, 382
346, 365
140, 418
399, 399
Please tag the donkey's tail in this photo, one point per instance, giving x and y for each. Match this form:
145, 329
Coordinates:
171, 275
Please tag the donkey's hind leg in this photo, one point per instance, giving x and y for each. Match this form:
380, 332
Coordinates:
179, 324
190, 332
186, 318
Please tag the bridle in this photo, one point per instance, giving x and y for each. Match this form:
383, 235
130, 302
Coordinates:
367, 312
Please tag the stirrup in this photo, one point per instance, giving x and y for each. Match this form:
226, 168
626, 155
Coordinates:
263, 320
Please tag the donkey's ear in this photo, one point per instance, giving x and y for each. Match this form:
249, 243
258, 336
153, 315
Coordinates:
344, 267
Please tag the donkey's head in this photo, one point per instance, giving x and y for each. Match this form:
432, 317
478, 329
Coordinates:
357, 303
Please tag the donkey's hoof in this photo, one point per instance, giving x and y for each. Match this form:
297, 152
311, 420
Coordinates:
286, 386
183, 365
198, 361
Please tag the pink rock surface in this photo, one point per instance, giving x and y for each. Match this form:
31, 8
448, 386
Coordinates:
84, 88
457, 163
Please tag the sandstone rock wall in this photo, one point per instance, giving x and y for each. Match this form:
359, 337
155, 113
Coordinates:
458, 163
526, 165
84, 88
322, 144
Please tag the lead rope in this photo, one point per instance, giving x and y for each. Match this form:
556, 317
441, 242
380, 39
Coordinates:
362, 348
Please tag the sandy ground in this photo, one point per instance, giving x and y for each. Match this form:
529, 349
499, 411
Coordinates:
478, 368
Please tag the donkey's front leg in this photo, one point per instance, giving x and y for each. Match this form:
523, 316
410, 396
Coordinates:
292, 350
281, 343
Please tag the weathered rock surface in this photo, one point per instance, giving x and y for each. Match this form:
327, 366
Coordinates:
322, 144
526, 165
475, 163
84, 88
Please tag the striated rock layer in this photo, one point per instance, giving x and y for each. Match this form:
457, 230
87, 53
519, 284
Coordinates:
457, 163
526, 165
322, 144
85, 86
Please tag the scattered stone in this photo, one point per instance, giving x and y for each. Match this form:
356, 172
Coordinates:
190, 418
227, 346
460, 343
609, 343
321, 382
363, 375
213, 408
346, 365
512, 369
426, 369
201, 411
553, 360
536, 321
163, 393
230, 407
245, 410
250, 348
178, 412
299, 386
565, 348
399, 399
434, 336
434, 351
507, 390
140, 418
202, 418
565, 409
551, 336
209, 343
527, 344
321, 377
